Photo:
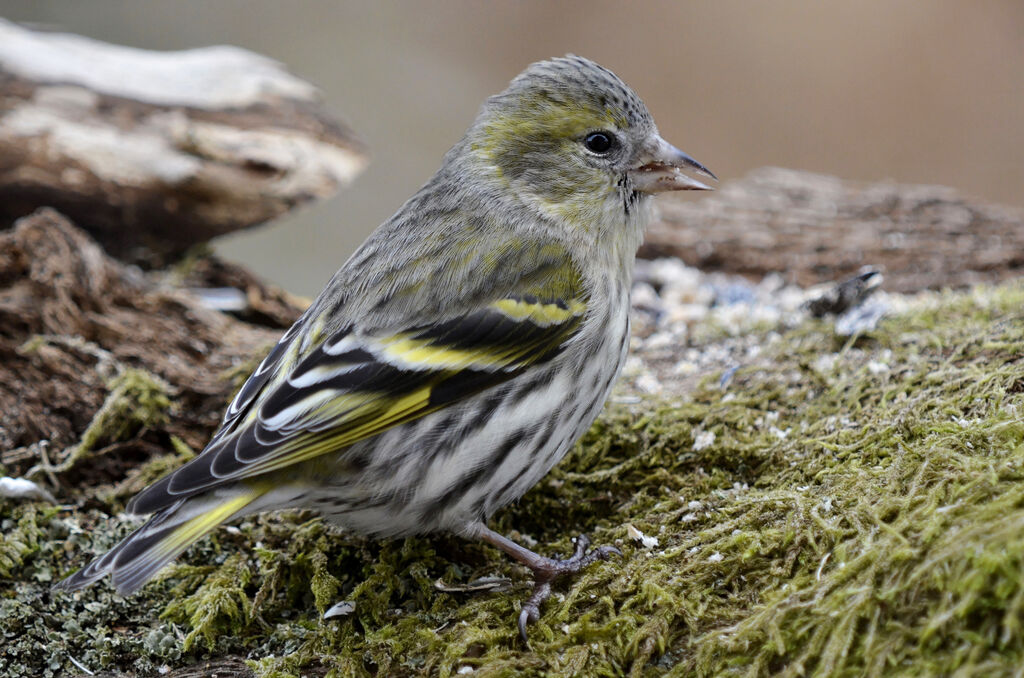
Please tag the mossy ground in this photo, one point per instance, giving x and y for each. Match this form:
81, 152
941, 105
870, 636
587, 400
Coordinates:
859, 510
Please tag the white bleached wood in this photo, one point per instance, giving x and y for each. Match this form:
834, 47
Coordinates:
214, 78
154, 152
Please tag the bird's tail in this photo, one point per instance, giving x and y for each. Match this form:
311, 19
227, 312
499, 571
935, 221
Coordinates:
165, 536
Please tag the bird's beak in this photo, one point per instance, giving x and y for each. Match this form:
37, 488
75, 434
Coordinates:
661, 169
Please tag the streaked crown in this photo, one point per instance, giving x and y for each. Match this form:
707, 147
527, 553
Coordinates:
573, 83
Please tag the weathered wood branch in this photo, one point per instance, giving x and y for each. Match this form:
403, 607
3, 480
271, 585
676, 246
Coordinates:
152, 152
813, 228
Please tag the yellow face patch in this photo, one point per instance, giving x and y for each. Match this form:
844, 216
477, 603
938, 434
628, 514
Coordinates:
544, 126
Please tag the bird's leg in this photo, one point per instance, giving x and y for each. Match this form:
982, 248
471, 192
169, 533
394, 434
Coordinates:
545, 570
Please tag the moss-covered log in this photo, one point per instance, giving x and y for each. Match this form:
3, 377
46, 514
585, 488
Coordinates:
808, 503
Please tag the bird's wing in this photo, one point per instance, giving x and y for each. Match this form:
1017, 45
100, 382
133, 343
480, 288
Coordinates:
300, 404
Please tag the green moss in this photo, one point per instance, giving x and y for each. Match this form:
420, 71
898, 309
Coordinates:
220, 604
19, 537
137, 399
859, 511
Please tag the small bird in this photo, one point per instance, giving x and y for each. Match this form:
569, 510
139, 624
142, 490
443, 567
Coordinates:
458, 354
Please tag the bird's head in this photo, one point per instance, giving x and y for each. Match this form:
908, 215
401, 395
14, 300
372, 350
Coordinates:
570, 138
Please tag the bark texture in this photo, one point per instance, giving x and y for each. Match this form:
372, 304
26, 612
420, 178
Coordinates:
84, 335
814, 228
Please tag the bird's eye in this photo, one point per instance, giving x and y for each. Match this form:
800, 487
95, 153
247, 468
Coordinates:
599, 142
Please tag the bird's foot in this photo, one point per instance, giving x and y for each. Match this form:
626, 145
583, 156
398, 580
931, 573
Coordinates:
546, 570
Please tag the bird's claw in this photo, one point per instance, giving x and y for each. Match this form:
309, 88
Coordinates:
530, 611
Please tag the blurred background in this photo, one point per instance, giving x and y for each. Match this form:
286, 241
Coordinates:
916, 92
